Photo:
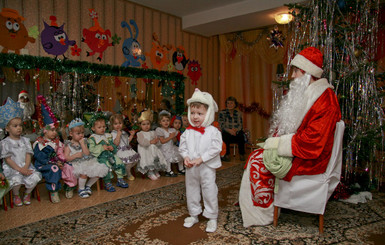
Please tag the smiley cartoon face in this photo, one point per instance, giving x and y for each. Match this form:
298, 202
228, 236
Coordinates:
13, 34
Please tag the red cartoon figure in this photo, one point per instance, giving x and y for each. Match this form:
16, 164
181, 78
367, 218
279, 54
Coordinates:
13, 34
96, 37
158, 54
194, 72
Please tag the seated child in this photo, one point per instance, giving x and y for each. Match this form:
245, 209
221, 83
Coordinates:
176, 122
17, 153
167, 137
102, 147
85, 165
185, 122
50, 161
4, 185
200, 146
151, 158
122, 141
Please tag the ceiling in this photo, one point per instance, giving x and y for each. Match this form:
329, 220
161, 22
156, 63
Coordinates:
213, 17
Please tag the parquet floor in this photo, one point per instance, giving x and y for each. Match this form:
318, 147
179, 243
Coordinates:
18, 216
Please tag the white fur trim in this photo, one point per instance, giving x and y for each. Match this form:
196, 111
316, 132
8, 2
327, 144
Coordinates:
284, 146
306, 65
205, 98
271, 143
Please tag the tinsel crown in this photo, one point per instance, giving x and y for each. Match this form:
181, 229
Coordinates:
145, 115
95, 117
75, 123
164, 112
9, 111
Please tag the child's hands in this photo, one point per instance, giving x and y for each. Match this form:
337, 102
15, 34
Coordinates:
108, 148
60, 164
78, 155
132, 133
173, 135
25, 171
197, 162
82, 142
154, 141
187, 163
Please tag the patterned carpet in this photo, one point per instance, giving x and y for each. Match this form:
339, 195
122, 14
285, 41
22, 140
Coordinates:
156, 217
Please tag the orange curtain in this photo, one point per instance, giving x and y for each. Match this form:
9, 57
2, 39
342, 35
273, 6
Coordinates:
248, 65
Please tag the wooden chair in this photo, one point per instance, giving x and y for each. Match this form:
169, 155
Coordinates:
35, 193
310, 193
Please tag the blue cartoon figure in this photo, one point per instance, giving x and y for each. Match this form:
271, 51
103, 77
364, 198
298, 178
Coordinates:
131, 47
54, 39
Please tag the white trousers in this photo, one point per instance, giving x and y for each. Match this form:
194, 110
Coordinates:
197, 179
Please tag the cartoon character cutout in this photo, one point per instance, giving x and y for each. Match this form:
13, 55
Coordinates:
131, 47
96, 37
54, 39
179, 59
158, 53
194, 72
13, 34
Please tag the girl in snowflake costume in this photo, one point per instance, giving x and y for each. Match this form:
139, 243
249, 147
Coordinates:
17, 153
122, 140
167, 137
151, 158
85, 165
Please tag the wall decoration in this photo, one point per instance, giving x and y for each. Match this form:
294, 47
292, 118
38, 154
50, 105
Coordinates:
96, 37
54, 39
158, 53
179, 59
13, 34
276, 38
131, 47
194, 72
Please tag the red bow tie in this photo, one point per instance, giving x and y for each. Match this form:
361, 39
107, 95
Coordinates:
200, 129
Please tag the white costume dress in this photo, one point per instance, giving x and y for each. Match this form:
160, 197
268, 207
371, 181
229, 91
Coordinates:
193, 144
87, 165
17, 149
169, 150
125, 152
151, 158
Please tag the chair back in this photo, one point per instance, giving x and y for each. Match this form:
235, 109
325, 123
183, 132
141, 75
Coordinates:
333, 171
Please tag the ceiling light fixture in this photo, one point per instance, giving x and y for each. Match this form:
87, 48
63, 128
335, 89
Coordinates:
283, 18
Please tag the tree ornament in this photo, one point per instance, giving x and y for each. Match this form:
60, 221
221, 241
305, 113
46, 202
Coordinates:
276, 38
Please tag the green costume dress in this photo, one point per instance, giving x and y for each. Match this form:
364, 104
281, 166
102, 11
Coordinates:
109, 158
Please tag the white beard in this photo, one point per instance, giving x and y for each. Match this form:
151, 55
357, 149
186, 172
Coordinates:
29, 109
289, 115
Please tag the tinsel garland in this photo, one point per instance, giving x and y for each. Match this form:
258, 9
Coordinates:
254, 107
68, 66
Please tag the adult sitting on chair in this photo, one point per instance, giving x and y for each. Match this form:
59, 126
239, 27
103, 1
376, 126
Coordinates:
230, 121
300, 141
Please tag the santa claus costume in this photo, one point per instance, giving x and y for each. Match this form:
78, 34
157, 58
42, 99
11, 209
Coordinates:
26, 104
302, 136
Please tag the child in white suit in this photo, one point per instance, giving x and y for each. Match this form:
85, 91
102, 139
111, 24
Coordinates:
200, 146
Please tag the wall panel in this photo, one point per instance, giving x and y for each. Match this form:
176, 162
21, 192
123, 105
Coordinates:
74, 14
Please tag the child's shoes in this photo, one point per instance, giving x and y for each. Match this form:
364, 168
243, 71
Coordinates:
55, 197
83, 193
131, 178
152, 177
88, 190
27, 199
17, 201
211, 225
171, 174
182, 172
109, 187
157, 174
190, 221
121, 183
69, 193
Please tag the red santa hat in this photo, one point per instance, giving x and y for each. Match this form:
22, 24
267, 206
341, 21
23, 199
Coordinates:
310, 60
23, 93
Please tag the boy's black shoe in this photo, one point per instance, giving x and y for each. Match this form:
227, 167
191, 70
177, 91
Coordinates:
170, 174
